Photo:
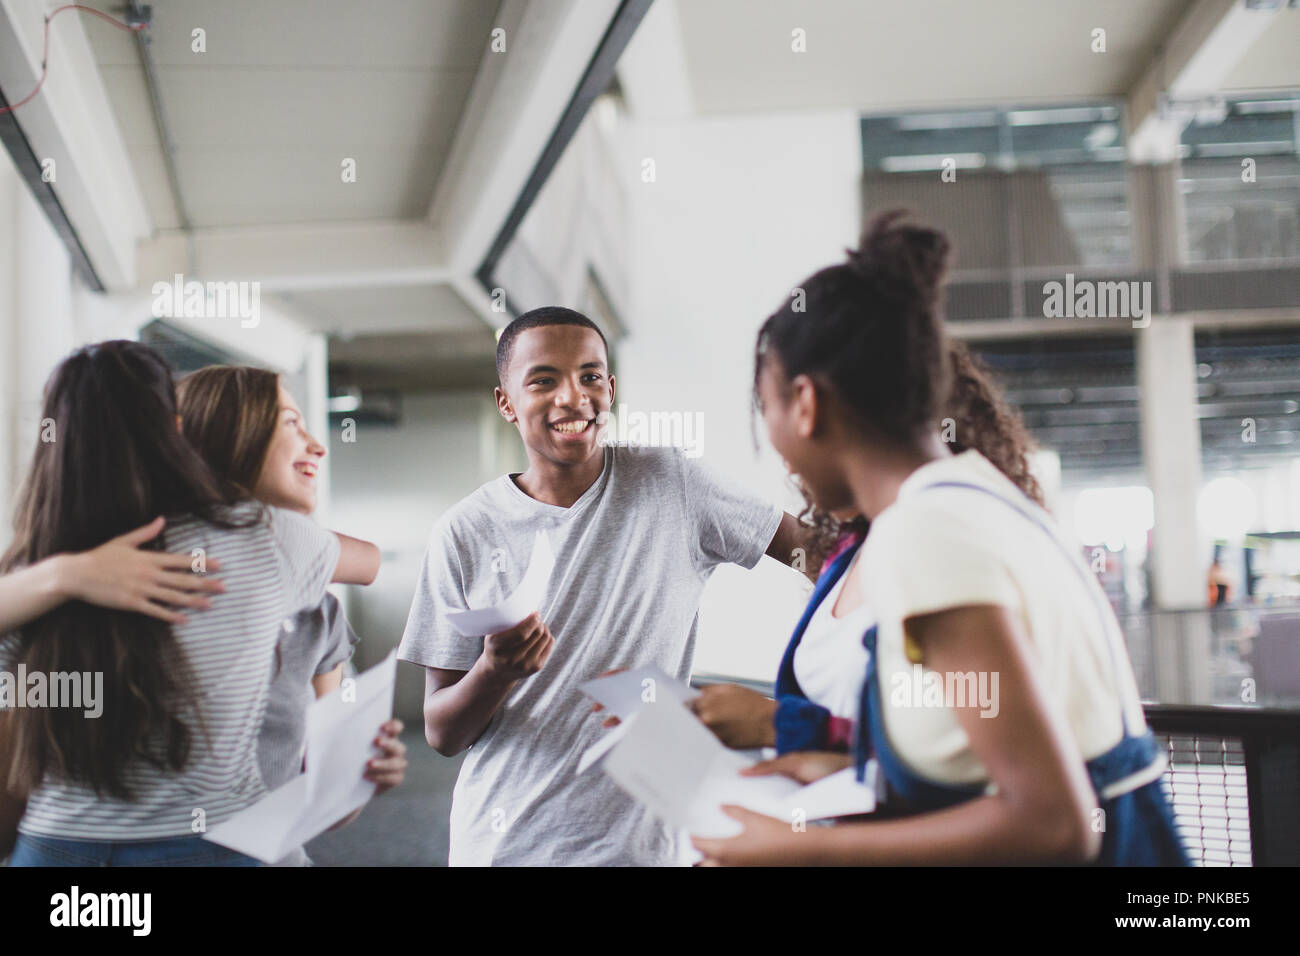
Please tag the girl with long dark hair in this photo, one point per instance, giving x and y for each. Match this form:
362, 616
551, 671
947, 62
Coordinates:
173, 749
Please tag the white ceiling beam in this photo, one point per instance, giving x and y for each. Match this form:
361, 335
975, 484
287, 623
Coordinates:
517, 100
71, 122
1194, 62
298, 257
654, 73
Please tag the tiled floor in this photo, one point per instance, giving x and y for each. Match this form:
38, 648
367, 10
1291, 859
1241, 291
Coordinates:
406, 826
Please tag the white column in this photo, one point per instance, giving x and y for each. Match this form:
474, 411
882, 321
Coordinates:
36, 327
1171, 451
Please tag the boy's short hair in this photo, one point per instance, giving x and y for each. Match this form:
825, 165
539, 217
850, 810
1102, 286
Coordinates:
547, 315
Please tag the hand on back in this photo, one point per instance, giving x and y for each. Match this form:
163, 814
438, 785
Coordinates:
122, 575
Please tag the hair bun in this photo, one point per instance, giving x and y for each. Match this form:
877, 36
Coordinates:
895, 250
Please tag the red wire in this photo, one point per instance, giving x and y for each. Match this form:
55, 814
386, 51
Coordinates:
45, 55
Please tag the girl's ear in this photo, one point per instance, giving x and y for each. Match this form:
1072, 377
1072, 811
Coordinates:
806, 406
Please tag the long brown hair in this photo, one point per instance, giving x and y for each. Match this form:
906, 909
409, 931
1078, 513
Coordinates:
985, 422
229, 414
115, 462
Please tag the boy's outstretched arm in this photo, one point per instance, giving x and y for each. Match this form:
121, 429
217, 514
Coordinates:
793, 539
458, 705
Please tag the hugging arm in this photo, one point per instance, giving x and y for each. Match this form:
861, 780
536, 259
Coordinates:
119, 574
358, 561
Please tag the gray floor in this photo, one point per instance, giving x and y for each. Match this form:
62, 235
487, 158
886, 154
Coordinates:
404, 827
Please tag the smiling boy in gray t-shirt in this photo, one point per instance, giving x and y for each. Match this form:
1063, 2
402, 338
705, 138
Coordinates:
636, 533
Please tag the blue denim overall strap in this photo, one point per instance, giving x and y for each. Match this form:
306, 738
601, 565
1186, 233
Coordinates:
801, 724
1138, 821
1136, 813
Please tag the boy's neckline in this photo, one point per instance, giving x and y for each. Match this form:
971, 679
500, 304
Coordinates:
593, 490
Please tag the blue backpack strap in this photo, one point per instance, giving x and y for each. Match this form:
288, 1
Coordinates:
871, 741
800, 724
1139, 820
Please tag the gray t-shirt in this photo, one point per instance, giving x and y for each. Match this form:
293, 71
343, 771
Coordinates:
272, 569
312, 643
632, 557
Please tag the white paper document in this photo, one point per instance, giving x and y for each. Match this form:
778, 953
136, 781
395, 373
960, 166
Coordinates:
674, 765
341, 728
607, 743
624, 693
523, 601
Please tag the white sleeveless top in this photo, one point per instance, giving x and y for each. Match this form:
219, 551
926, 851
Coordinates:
830, 661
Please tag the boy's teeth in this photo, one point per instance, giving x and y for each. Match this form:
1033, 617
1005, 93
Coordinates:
571, 428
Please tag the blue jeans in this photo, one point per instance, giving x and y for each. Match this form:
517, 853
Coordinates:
175, 851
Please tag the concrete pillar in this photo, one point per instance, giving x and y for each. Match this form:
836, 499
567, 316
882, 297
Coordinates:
36, 328
1171, 451
43, 302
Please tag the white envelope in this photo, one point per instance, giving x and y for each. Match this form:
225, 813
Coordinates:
523, 601
340, 730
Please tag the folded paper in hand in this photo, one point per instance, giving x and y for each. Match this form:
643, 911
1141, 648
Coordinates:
622, 694
523, 601
341, 728
674, 765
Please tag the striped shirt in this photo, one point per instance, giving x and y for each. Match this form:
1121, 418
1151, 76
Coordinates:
272, 570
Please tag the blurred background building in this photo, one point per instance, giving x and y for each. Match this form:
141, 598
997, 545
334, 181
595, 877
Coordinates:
400, 178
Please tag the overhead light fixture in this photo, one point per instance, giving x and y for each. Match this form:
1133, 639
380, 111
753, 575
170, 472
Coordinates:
1249, 107
1063, 115
964, 120
916, 164
349, 401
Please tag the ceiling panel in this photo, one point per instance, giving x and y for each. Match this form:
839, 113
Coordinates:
285, 91
340, 34
1273, 61
424, 308
878, 56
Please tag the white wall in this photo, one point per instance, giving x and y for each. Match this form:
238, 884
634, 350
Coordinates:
392, 484
740, 210
37, 327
